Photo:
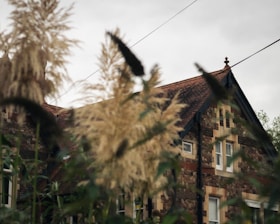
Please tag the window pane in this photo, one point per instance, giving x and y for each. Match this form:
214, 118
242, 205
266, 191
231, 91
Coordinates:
5, 187
121, 202
139, 208
229, 157
219, 159
218, 147
221, 115
187, 147
219, 155
255, 216
229, 149
227, 119
229, 162
213, 210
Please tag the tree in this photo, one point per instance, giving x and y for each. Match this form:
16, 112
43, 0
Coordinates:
272, 127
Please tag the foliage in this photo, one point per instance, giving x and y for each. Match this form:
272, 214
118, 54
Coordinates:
122, 143
38, 48
272, 127
129, 131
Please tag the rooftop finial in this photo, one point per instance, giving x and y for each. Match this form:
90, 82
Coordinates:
226, 61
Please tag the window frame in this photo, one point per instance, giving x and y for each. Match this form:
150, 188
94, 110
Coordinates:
228, 118
217, 208
120, 210
229, 157
137, 209
186, 143
261, 206
221, 117
7, 173
219, 154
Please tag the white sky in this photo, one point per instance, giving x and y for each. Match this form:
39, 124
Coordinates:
206, 33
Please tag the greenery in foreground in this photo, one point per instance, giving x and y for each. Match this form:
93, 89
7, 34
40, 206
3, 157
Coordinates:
107, 137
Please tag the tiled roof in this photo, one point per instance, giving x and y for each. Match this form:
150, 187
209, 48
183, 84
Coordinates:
194, 92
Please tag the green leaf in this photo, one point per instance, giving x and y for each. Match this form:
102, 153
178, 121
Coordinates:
162, 167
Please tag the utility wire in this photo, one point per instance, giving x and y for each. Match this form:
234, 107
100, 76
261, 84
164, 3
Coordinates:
251, 55
164, 23
137, 42
234, 65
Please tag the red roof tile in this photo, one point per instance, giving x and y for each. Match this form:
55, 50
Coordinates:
194, 92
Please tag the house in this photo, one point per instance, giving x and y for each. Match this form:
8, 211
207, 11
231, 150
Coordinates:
211, 136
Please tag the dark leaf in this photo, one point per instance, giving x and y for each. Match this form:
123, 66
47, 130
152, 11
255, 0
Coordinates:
49, 129
133, 62
121, 149
218, 90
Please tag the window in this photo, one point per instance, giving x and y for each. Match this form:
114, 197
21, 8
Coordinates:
214, 212
227, 119
138, 208
6, 194
219, 155
73, 219
187, 147
121, 204
223, 156
221, 117
259, 211
229, 153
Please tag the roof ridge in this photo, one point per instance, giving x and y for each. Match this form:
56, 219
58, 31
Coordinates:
194, 78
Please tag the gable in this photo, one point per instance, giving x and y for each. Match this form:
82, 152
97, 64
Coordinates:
198, 96
195, 93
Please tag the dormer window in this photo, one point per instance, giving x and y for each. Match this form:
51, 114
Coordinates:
221, 117
227, 119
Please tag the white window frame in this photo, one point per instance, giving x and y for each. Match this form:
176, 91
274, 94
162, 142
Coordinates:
261, 205
120, 211
217, 208
219, 154
229, 156
7, 171
185, 145
136, 209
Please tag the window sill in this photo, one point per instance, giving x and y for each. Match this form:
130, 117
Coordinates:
224, 173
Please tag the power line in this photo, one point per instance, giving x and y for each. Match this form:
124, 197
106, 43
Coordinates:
251, 55
164, 23
137, 42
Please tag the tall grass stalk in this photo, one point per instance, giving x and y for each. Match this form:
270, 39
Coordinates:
35, 173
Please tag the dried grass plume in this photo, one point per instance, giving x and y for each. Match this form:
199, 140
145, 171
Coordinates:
128, 132
35, 49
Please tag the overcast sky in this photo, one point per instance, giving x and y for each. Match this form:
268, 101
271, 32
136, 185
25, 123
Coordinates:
206, 32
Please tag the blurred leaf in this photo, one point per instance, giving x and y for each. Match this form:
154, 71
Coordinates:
218, 90
133, 62
163, 167
122, 147
49, 129
169, 219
